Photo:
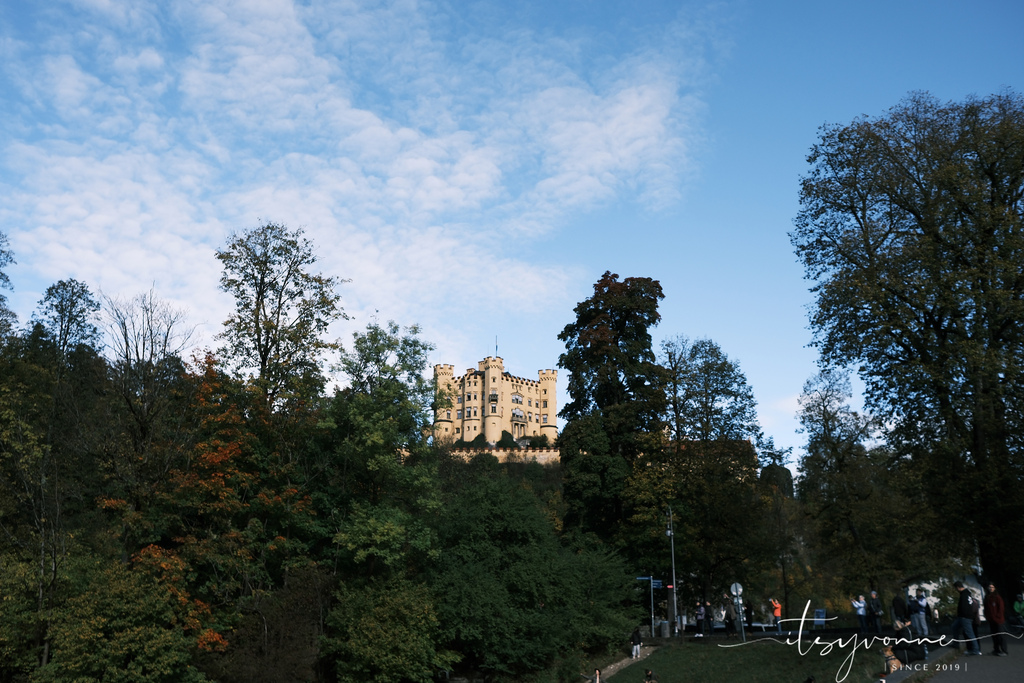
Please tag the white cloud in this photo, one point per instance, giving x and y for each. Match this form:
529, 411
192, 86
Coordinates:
418, 161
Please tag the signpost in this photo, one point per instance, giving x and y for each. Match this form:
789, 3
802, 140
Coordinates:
651, 579
737, 590
671, 533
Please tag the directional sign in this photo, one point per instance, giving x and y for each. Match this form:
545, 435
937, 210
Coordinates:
656, 583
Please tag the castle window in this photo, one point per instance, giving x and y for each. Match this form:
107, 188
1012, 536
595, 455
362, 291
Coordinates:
458, 429
459, 399
474, 412
529, 401
449, 416
545, 404
494, 409
529, 417
458, 414
545, 418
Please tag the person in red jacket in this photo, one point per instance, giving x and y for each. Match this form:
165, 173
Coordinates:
777, 613
995, 613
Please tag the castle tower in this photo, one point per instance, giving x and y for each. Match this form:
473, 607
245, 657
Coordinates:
444, 378
548, 380
493, 368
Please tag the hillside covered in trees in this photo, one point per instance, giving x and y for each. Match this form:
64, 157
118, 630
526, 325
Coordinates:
168, 514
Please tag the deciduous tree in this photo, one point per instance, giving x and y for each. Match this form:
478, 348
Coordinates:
912, 230
616, 398
7, 316
282, 310
67, 311
708, 395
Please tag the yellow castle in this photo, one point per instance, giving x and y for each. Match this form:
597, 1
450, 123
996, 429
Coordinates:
489, 400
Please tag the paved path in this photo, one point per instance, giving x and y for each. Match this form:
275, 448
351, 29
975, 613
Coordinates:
986, 668
946, 666
612, 669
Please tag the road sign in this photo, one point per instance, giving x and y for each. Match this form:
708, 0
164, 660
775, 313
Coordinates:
736, 589
656, 583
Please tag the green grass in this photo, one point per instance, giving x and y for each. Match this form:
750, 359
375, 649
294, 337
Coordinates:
761, 661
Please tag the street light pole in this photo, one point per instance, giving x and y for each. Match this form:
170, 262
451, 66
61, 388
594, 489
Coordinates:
672, 542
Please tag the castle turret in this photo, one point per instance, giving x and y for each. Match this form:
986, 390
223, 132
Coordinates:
493, 368
548, 380
444, 376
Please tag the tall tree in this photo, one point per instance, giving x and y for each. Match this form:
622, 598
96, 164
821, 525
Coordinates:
912, 229
281, 309
616, 398
146, 336
67, 310
858, 496
708, 473
708, 395
7, 316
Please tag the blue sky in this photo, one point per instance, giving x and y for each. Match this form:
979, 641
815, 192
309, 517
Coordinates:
472, 167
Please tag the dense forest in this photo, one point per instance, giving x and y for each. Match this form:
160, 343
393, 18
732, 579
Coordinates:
173, 514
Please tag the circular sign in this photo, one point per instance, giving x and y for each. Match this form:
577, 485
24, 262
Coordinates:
736, 589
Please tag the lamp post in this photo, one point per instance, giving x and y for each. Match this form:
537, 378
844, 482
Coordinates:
670, 532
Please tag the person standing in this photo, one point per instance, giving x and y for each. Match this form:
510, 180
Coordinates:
1018, 610
748, 614
730, 617
899, 608
918, 609
860, 606
776, 613
700, 619
875, 612
637, 643
995, 613
964, 623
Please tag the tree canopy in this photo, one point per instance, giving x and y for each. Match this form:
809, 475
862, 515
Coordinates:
281, 309
616, 395
912, 230
7, 316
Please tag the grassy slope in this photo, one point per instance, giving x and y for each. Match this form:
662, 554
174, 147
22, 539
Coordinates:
756, 662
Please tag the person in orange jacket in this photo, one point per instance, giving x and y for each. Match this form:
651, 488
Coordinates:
777, 613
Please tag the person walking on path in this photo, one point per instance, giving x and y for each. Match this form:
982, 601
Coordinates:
995, 613
964, 623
